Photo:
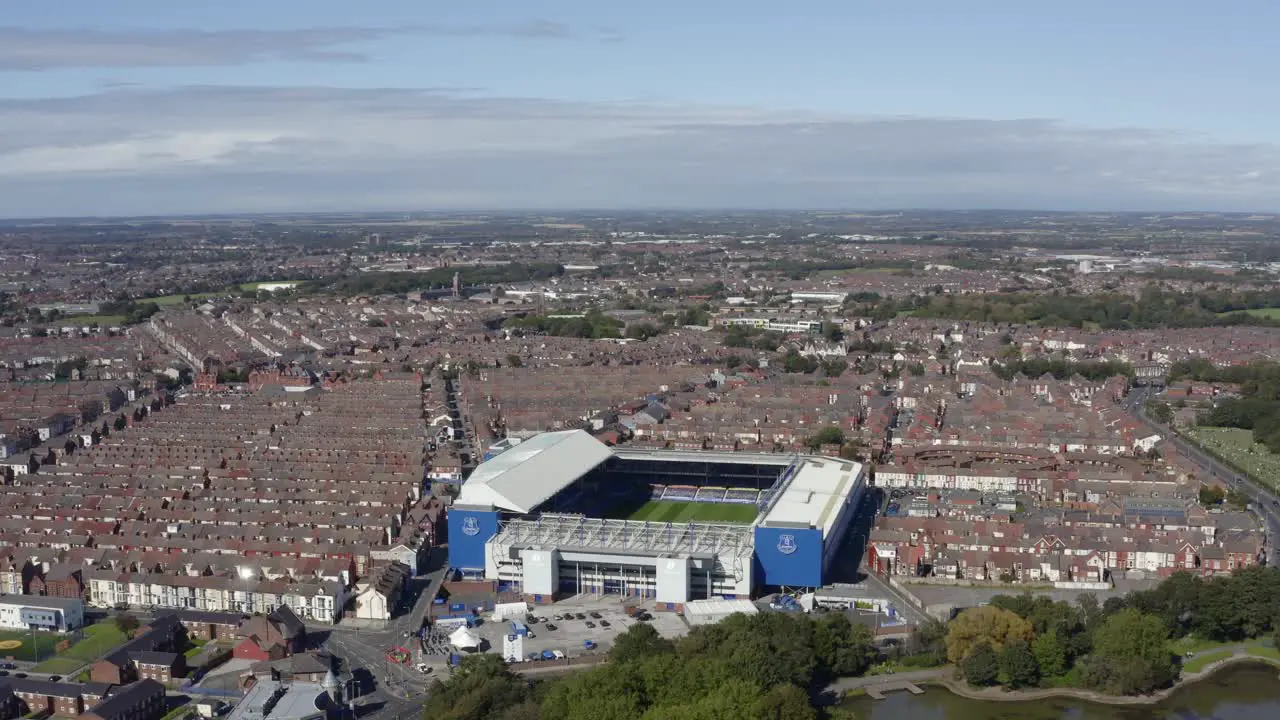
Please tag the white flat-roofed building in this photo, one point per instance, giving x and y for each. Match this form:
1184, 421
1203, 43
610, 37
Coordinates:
21, 612
709, 612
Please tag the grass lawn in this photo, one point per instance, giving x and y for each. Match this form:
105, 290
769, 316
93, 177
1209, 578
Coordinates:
1237, 446
672, 511
1268, 313
1263, 651
59, 666
1203, 660
98, 639
1184, 645
44, 644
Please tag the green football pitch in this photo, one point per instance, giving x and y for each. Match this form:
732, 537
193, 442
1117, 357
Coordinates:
680, 512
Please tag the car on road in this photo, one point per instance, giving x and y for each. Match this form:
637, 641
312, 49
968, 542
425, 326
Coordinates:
20, 675
55, 678
424, 668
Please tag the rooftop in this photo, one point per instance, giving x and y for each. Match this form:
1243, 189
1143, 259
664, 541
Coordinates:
279, 701
42, 601
528, 474
815, 493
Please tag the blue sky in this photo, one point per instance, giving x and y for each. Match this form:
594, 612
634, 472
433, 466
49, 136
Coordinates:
153, 107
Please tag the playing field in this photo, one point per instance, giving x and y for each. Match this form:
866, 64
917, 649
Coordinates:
671, 511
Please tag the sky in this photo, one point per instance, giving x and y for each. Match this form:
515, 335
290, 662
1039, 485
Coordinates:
155, 107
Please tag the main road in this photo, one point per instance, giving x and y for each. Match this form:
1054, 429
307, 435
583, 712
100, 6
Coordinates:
1265, 499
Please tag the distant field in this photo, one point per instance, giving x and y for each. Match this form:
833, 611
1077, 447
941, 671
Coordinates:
1268, 313
253, 286
1237, 446
679, 512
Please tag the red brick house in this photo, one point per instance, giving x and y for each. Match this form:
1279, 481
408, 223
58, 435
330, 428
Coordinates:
275, 635
210, 626
142, 700
64, 581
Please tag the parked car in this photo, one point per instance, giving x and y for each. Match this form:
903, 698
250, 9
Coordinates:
604, 623
552, 627
580, 616
591, 624
596, 615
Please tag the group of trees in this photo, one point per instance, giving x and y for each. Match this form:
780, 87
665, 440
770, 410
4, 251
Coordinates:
741, 336
1155, 307
743, 668
133, 311
767, 665
1060, 369
1121, 647
1257, 408
593, 325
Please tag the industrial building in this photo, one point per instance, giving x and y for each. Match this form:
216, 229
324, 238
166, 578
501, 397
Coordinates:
556, 515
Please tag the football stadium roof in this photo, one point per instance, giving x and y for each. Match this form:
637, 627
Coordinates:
530, 473
815, 494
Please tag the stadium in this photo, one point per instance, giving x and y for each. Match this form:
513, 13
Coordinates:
562, 514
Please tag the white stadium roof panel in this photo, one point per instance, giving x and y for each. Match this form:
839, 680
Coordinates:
815, 494
530, 473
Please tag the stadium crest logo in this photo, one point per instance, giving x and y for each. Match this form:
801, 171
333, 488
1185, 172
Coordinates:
470, 526
787, 544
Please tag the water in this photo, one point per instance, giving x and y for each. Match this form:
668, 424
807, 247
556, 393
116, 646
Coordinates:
1239, 692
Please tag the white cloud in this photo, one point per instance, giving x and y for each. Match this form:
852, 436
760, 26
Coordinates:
28, 49
257, 149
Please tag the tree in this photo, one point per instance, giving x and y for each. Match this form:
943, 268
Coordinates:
981, 666
1018, 664
829, 435
1051, 654
1159, 411
127, 624
784, 702
989, 624
514, 360
1130, 654
480, 688
929, 641
843, 648
638, 642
